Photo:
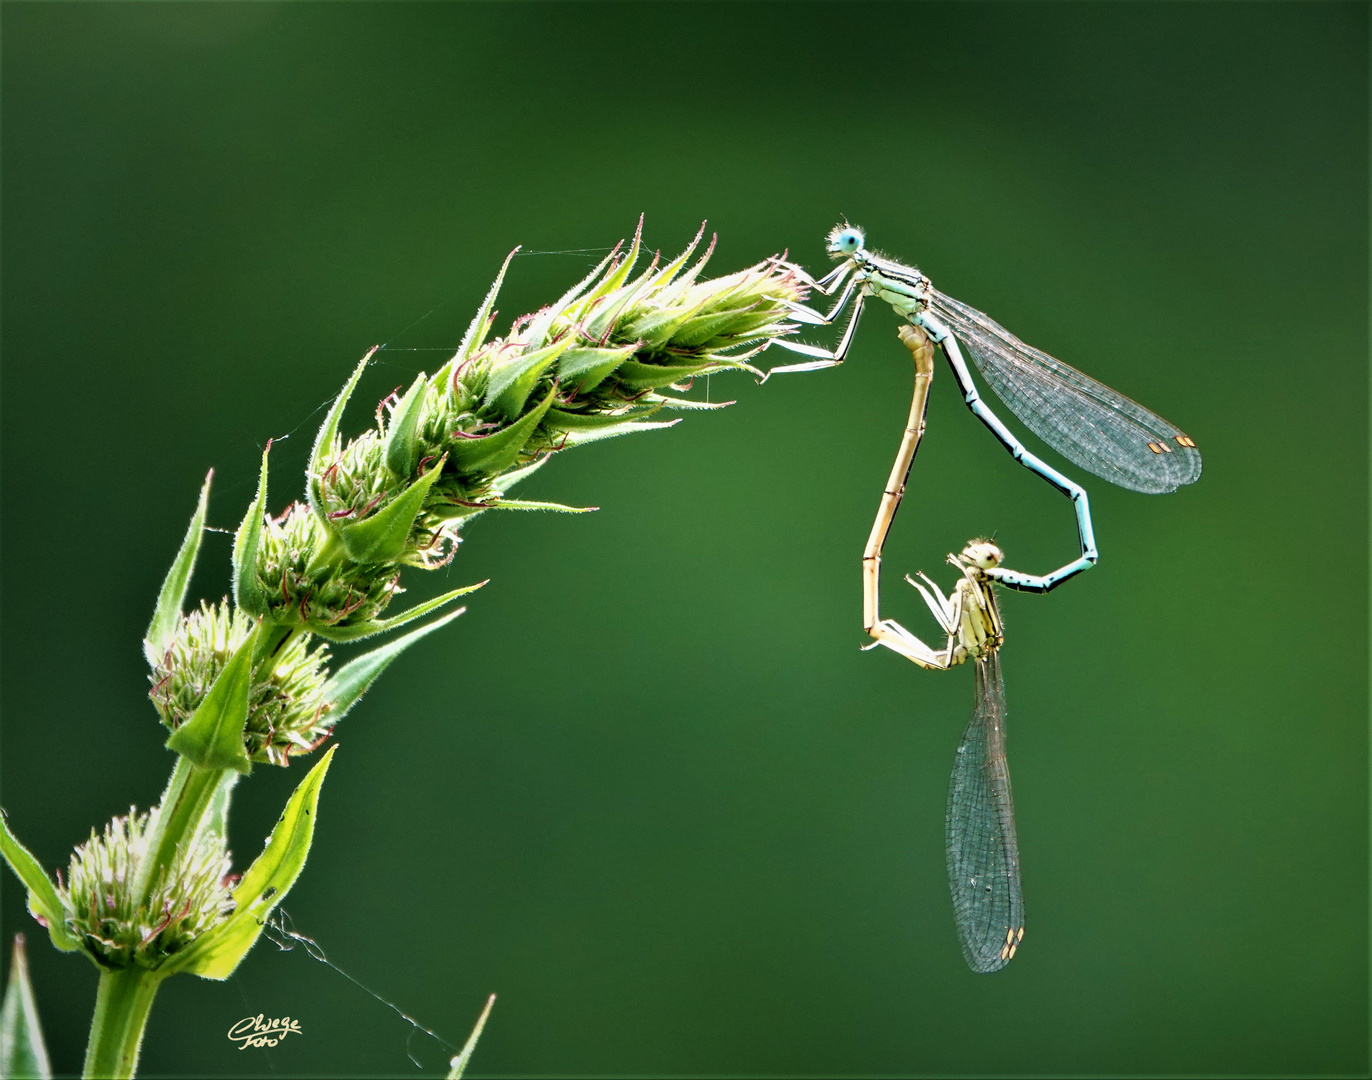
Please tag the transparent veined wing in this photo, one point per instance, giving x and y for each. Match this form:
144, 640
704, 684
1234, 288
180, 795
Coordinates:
983, 854
1083, 420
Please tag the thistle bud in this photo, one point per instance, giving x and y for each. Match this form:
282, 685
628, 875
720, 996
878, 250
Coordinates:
190, 897
288, 711
306, 588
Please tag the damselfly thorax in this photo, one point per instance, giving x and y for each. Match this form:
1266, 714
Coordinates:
968, 615
903, 287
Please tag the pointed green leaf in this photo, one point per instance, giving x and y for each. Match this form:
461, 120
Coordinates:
618, 274
496, 452
446, 511
682, 289
598, 325
382, 537
585, 367
666, 402
44, 903
382, 626
458, 1065
613, 279
402, 448
22, 1051
758, 321
513, 381
248, 593
351, 681
645, 280
216, 953
532, 504
213, 737
738, 360
656, 328
628, 427
567, 421
694, 272
670, 271
638, 376
326, 442
598, 294
702, 328
167, 616
479, 327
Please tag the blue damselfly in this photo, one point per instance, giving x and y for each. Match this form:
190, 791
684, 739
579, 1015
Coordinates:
1084, 420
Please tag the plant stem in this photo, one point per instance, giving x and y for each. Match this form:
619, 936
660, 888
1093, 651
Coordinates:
121, 1013
184, 804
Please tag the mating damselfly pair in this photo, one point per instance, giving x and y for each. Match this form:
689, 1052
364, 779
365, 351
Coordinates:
1088, 423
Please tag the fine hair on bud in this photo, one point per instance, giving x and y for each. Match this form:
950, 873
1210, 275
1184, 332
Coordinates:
189, 897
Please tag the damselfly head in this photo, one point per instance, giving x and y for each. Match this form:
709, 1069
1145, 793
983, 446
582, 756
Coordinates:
982, 554
845, 240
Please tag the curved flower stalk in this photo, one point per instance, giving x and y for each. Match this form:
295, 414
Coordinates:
245, 681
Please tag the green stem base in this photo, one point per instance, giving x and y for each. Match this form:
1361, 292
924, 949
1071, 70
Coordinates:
121, 1013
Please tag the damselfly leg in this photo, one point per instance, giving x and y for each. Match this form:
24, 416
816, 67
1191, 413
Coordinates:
888, 632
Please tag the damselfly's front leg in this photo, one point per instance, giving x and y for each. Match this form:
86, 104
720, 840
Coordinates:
825, 285
947, 610
827, 358
1085, 534
805, 314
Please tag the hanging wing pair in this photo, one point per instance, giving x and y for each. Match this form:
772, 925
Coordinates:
983, 853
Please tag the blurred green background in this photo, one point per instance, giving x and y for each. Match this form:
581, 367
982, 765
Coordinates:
648, 790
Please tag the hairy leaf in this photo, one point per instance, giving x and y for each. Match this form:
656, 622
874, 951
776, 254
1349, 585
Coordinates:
216, 953
167, 615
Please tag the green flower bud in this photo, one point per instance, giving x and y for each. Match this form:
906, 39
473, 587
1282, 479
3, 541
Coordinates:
309, 580
288, 712
193, 895
358, 481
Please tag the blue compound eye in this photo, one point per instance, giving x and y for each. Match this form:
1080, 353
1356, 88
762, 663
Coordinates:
849, 240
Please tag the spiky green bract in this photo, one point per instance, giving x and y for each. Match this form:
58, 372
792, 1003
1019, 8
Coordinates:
590, 366
23, 1053
173, 595
106, 915
458, 1065
288, 712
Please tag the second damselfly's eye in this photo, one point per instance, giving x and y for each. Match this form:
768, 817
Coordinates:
983, 553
